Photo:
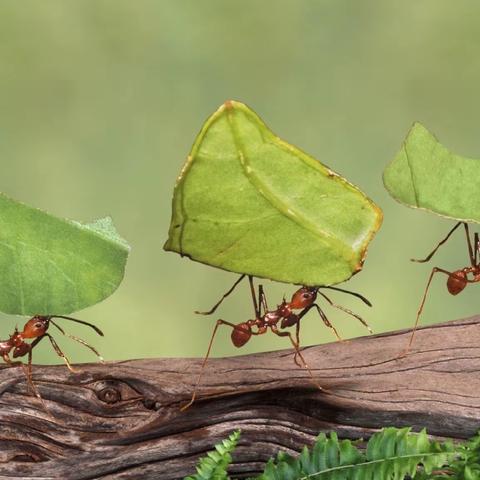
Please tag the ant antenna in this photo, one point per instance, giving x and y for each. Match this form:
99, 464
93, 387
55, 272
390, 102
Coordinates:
79, 321
79, 340
361, 297
346, 310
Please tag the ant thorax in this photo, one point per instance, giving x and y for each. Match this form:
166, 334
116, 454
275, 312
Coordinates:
284, 310
272, 318
16, 339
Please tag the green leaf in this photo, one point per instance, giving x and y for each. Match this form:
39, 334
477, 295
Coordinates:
248, 202
391, 454
214, 465
54, 266
426, 175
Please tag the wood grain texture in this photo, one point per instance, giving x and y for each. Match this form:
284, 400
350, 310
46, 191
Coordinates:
122, 420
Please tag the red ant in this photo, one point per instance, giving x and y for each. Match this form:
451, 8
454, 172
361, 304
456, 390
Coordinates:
456, 280
303, 299
36, 328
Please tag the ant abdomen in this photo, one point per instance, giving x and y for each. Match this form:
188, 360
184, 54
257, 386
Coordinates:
456, 282
241, 334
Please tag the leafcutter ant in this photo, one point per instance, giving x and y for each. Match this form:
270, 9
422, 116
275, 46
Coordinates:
457, 280
303, 300
36, 328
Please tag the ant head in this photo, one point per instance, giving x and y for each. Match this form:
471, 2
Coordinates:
36, 327
303, 297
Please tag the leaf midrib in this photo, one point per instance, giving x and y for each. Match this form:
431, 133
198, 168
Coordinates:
419, 456
334, 242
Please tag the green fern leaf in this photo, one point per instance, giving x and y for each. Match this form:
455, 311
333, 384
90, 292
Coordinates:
466, 466
214, 465
391, 454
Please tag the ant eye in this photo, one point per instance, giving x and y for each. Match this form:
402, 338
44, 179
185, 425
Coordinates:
306, 295
38, 325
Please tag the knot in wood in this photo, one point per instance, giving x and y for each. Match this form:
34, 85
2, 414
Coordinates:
108, 391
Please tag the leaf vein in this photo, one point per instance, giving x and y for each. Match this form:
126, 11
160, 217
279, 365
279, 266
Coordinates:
278, 204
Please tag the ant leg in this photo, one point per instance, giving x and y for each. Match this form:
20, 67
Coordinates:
29, 375
428, 257
225, 295
254, 297
327, 322
324, 318
79, 340
420, 309
27, 370
59, 352
477, 246
297, 339
207, 355
262, 299
346, 310
299, 353
469, 244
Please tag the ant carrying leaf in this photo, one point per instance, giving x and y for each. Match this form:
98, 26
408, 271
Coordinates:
50, 267
37, 329
248, 202
426, 175
456, 280
276, 320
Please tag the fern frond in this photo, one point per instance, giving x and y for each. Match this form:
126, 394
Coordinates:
391, 454
214, 465
466, 465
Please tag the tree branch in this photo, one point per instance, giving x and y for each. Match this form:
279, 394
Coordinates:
122, 420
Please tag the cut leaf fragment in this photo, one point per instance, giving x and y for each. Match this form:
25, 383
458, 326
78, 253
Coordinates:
426, 175
54, 266
248, 202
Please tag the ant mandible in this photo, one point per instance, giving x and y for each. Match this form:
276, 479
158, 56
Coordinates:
36, 328
303, 299
457, 280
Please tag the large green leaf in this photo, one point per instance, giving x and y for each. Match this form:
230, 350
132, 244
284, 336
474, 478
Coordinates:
248, 202
50, 265
426, 175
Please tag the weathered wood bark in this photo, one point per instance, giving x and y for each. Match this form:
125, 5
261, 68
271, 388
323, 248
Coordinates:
122, 420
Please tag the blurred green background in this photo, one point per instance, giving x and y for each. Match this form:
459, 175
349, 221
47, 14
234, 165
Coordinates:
100, 102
